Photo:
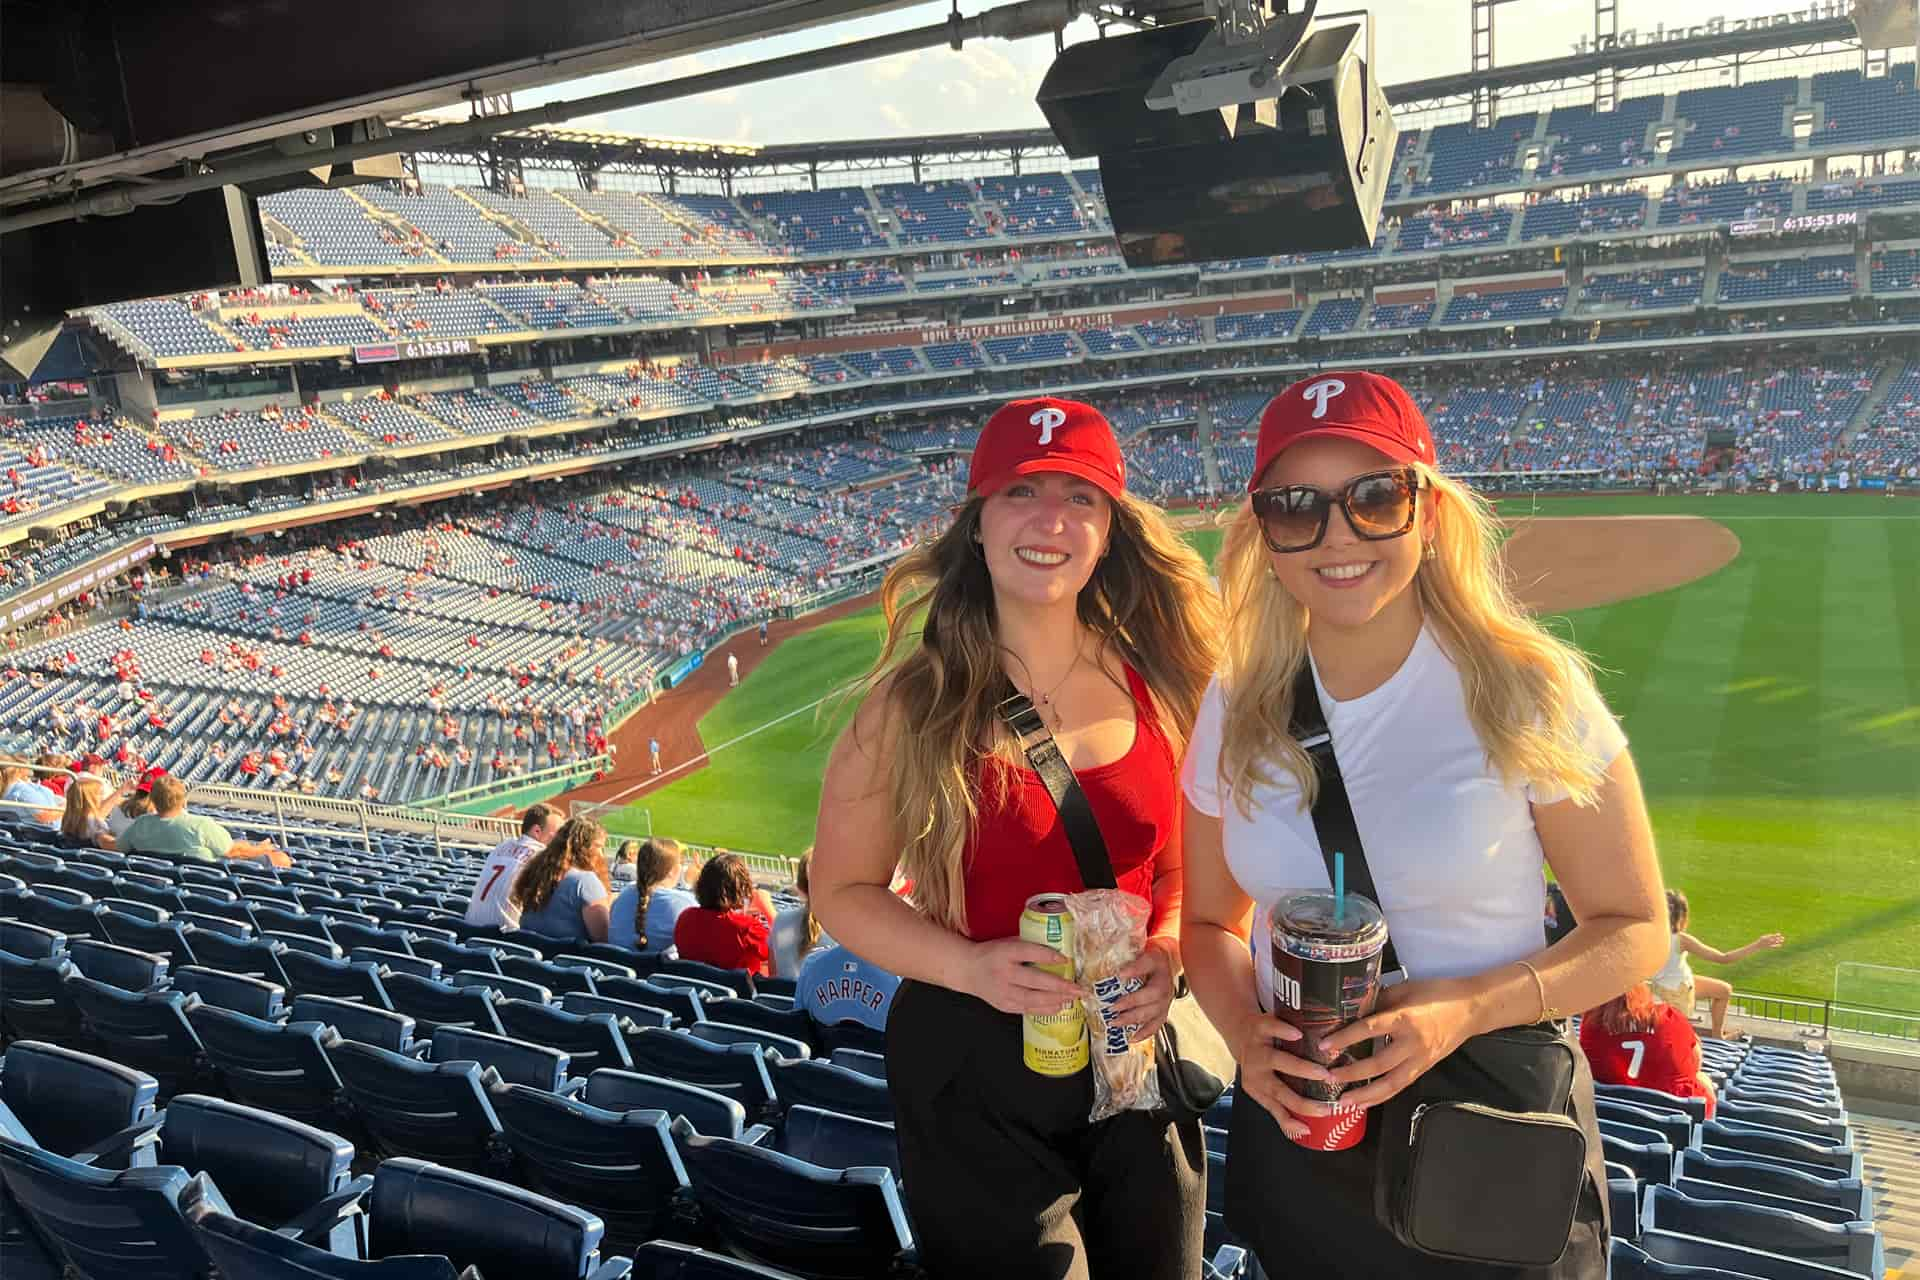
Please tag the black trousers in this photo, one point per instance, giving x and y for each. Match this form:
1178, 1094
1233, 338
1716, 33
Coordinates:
1310, 1213
1006, 1178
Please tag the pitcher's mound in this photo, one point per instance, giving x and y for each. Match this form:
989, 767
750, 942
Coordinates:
1560, 563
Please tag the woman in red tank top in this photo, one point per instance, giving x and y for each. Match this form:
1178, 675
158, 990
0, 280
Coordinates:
1051, 582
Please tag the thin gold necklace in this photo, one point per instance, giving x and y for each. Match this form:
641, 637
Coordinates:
1044, 701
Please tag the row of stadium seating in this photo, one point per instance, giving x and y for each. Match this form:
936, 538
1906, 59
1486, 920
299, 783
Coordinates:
338, 1015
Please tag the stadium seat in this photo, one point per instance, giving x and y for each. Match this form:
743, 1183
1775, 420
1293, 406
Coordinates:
1694, 1109
308, 944
702, 987
834, 1036
34, 1001
1673, 1128
834, 1140
821, 1084
1849, 1194
276, 1171
726, 1033
311, 975
555, 978
255, 997
768, 1207
671, 1260
1623, 1201
625, 1011
279, 1067
352, 935
1652, 1163
120, 967
137, 909
792, 1024
591, 1040
1697, 1189
1761, 1140
144, 1029
249, 957
1792, 1118
355, 1021
437, 1111
1667, 1255
683, 1003
269, 918
225, 926
621, 1165
392, 962
713, 1114
106, 1225
737, 1071
501, 986
514, 1061
738, 981
30, 941
1852, 1247
76, 919
425, 1222
73, 1102
168, 938
867, 1064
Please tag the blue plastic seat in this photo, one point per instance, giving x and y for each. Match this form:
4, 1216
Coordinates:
73, 1102
355, 1021
435, 1004
768, 1207
34, 1001
503, 987
120, 967
1830, 1129
684, 1004
768, 1041
1852, 1247
623, 1011
276, 1171
713, 1114
47, 908
1694, 1108
281, 1067
226, 926
253, 996
397, 962
342, 979
834, 1036
144, 1029
425, 1222
821, 1084
167, 938
591, 1040
106, 1225
1762, 1140
1668, 1255
307, 944
834, 1140
1849, 1194
554, 977
621, 1165
737, 1071
1673, 1128
794, 1024
249, 957
352, 935
511, 1060
1700, 1189
30, 941
1652, 1163
671, 1260
738, 981
454, 955
436, 1111
1623, 1204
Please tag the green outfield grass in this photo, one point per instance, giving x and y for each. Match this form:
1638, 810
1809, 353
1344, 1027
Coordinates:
1774, 710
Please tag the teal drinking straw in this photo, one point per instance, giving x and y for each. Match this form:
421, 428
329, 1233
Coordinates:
1339, 888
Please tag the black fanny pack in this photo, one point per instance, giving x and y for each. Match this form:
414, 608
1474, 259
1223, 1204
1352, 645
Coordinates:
1481, 1159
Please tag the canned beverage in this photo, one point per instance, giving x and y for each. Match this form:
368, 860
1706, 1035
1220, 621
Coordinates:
1054, 1044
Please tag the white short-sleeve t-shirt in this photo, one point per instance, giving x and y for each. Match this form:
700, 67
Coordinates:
1451, 844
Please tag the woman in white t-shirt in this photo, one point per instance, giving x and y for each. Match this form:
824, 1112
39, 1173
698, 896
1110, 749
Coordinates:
1476, 753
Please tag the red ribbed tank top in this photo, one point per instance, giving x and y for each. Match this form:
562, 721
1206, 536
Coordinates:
1020, 848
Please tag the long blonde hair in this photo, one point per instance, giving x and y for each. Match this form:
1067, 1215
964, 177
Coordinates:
86, 798
1522, 684
1148, 598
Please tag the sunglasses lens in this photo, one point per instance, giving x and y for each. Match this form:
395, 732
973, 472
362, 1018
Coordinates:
1381, 506
1292, 517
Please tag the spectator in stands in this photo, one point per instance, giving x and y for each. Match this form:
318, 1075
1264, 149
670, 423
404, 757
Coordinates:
621, 870
172, 831
19, 785
643, 916
1026, 590
491, 902
562, 890
84, 825
1361, 572
1638, 1040
726, 927
1676, 985
795, 930
836, 986
53, 773
135, 803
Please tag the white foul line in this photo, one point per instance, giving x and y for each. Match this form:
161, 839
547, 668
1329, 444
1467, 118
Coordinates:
712, 751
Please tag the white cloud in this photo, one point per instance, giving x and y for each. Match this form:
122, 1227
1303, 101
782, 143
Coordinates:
895, 117
889, 70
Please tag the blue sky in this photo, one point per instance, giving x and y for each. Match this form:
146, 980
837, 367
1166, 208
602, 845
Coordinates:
990, 84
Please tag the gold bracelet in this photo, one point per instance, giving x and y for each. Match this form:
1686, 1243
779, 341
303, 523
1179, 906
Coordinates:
1547, 1012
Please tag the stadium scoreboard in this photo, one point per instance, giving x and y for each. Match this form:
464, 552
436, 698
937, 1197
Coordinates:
381, 352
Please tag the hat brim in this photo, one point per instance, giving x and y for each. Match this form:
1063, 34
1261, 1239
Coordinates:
1392, 448
1105, 481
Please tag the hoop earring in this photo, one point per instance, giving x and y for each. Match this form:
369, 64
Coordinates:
1429, 553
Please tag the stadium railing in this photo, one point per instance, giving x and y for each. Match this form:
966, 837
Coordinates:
1828, 1016
555, 775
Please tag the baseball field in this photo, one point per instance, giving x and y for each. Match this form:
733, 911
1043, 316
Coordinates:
1772, 698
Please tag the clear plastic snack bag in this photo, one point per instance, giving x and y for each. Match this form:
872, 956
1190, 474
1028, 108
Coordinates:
1109, 932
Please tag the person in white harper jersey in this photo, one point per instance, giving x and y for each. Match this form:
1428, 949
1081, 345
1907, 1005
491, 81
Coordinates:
488, 904
1476, 752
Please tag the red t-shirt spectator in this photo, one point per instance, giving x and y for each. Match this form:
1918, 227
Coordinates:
1665, 1057
727, 939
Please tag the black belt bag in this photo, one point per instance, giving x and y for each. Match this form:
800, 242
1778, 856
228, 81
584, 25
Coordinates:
1481, 1158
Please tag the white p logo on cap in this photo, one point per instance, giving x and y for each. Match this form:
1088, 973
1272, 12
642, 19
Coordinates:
1322, 391
1047, 420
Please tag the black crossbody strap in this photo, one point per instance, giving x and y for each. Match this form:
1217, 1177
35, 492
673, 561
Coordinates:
1333, 820
1076, 814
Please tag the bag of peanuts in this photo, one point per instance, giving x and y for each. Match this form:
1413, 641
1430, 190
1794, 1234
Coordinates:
1109, 932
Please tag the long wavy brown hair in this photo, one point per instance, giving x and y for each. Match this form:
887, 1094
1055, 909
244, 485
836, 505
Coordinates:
1149, 600
1522, 684
579, 845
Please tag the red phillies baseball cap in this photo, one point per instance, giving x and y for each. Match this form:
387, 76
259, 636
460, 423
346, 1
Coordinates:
148, 778
1350, 404
1046, 434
